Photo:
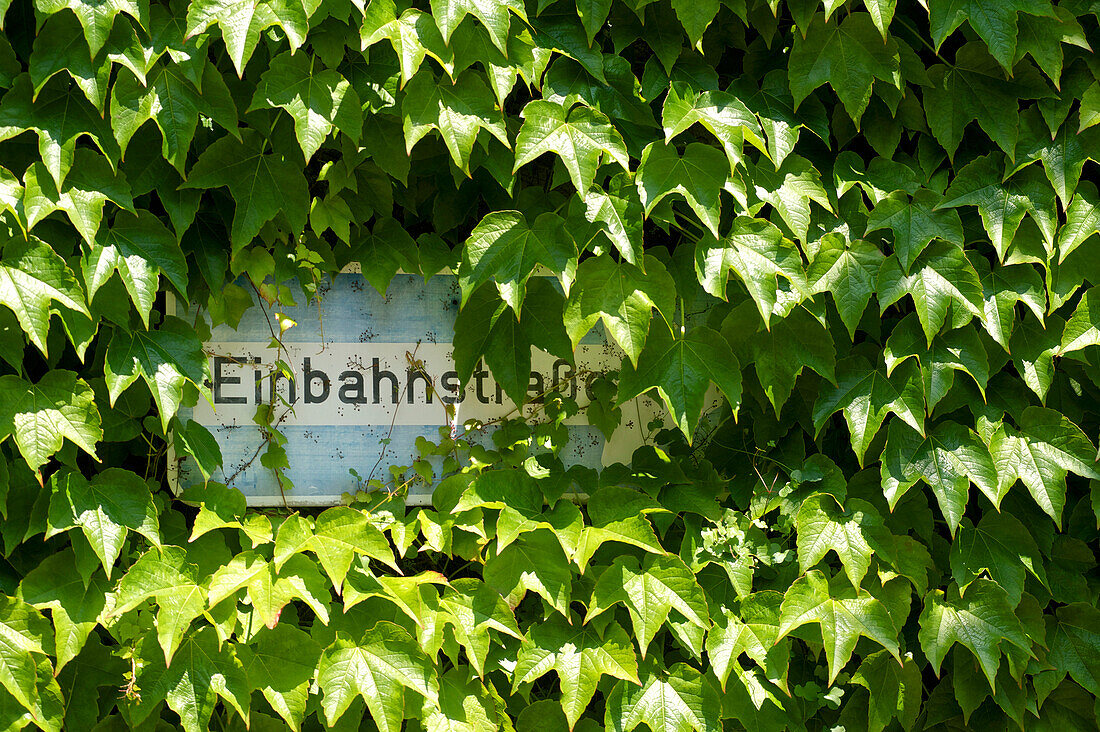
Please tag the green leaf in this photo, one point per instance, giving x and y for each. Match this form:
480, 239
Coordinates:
92, 183
1062, 157
341, 533
40, 416
175, 104
649, 591
843, 615
32, 276
823, 525
25, 638
96, 19
105, 508
166, 358
202, 671
60, 46
458, 110
949, 458
59, 118
504, 247
74, 606
242, 21
319, 99
620, 213
1002, 288
753, 631
895, 691
679, 701
1000, 546
723, 114
280, 662
378, 666
140, 249
622, 296
195, 441
789, 189
1082, 220
941, 276
681, 369
1040, 453
995, 24
849, 272
262, 184
915, 223
1083, 327
473, 609
979, 618
1002, 205
867, 395
849, 55
413, 35
167, 575
582, 137
580, 655
699, 175
756, 251
493, 16
534, 562
1075, 645
957, 350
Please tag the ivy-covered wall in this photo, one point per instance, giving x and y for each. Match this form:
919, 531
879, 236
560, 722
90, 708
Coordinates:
869, 225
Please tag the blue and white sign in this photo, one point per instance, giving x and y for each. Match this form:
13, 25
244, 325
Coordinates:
358, 402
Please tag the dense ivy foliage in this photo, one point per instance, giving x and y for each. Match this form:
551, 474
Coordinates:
866, 226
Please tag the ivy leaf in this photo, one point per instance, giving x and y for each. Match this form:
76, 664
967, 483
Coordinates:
242, 21
978, 618
895, 691
941, 276
699, 175
280, 662
849, 55
167, 575
948, 459
140, 249
32, 276
1082, 220
580, 136
849, 272
957, 350
319, 99
723, 114
105, 508
341, 533
202, 671
473, 609
262, 184
74, 606
620, 295
843, 615
1033, 350
92, 183
493, 16
504, 247
681, 369
1002, 205
867, 395
756, 251
413, 35
96, 20
1062, 157
60, 46
753, 631
1002, 288
678, 701
174, 103
378, 666
1002, 547
996, 24
25, 639
534, 562
40, 416
823, 525
915, 223
165, 358
621, 213
789, 189
59, 119
1040, 453
580, 655
649, 591
1075, 644
1083, 327
457, 110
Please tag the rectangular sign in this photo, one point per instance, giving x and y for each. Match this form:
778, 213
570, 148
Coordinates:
373, 373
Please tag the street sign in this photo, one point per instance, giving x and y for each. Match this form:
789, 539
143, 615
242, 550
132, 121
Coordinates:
372, 373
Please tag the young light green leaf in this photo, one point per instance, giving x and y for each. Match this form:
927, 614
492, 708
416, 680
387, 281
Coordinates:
957, 350
473, 609
412, 33
242, 21
679, 701
580, 655
341, 533
1002, 288
582, 137
493, 16
620, 212
823, 525
995, 24
97, 20
60, 46
979, 618
699, 175
789, 189
378, 666
1083, 327
32, 276
843, 615
723, 114
1082, 220
753, 631
25, 639
40, 416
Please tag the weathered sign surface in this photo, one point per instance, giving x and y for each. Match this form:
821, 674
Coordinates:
372, 373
